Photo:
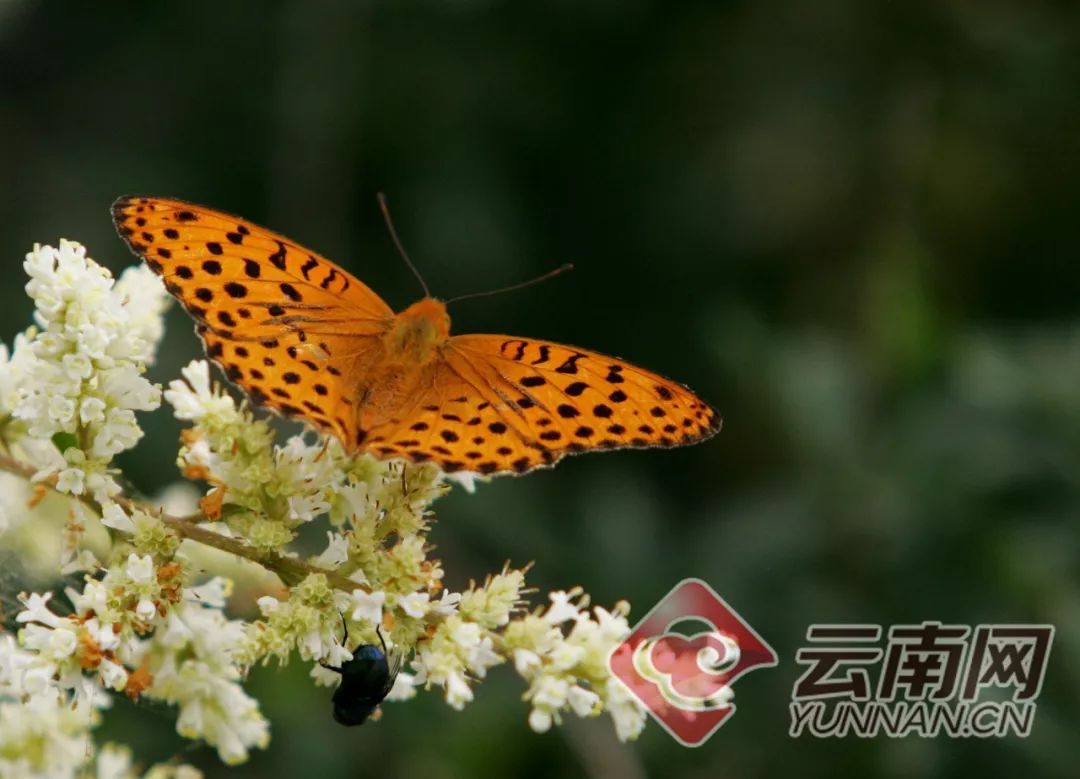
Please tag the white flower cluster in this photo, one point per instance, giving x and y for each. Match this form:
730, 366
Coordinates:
44, 722
69, 391
264, 492
565, 670
188, 658
308, 621
193, 660
77, 381
48, 706
555, 662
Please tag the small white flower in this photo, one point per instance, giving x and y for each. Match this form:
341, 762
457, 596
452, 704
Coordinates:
193, 399
550, 692
562, 608
583, 702
458, 692
526, 661
36, 609
39, 680
62, 643
145, 609
268, 604
446, 605
626, 710
368, 606
92, 410
336, 552
415, 604
140, 569
114, 676
566, 655
77, 366
71, 480
105, 634
176, 633
113, 516
540, 720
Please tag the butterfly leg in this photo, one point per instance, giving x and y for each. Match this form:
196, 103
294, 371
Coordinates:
325, 446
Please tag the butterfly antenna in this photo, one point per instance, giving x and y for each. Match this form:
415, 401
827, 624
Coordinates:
397, 242
549, 275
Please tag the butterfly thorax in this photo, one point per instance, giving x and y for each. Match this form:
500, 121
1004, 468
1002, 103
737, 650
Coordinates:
409, 350
417, 332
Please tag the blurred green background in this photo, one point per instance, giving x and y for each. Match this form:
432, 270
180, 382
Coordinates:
850, 225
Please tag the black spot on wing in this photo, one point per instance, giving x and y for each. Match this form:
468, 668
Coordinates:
570, 364
277, 259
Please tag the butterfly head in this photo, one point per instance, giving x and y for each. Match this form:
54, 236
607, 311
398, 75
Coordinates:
420, 328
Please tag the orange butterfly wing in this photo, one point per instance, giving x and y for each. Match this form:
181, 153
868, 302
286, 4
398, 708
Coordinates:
301, 335
288, 326
502, 404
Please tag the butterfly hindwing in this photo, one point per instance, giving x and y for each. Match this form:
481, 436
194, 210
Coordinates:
310, 380
499, 404
575, 400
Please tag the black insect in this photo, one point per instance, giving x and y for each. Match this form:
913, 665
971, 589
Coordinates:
366, 680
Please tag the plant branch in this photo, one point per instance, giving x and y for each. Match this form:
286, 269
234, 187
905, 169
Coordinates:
288, 569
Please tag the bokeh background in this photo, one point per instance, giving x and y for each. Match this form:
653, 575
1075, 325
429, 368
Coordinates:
850, 225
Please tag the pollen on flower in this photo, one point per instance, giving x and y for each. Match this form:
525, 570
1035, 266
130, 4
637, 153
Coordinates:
90, 654
138, 681
211, 503
37, 496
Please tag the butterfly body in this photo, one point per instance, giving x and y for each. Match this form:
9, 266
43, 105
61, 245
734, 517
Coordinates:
402, 363
302, 336
420, 332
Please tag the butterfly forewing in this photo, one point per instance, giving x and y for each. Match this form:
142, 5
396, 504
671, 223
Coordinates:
194, 248
285, 324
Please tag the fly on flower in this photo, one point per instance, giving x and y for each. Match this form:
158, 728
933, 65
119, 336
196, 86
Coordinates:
366, 680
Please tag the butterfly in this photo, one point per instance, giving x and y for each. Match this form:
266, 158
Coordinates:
305, 338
